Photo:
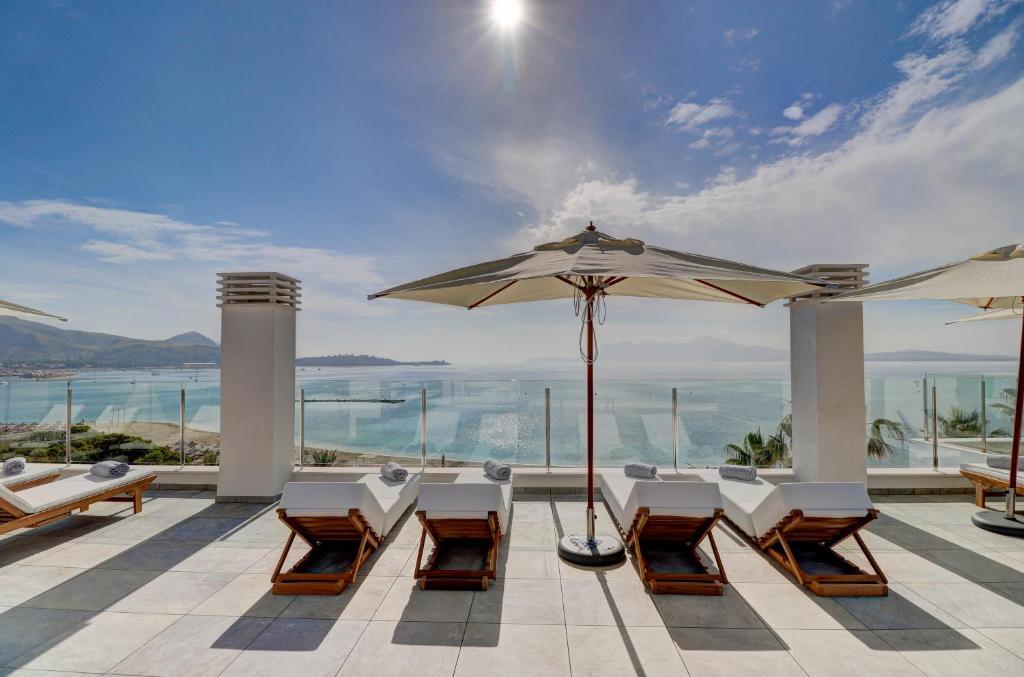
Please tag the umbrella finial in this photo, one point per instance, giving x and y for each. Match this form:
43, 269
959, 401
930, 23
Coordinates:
591, 227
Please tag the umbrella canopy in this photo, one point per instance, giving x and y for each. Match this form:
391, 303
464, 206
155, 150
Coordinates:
997, 314
8, 308
588, 268
993, 280
624, 267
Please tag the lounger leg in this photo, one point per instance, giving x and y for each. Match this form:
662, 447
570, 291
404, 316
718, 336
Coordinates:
284, 554
359, 557
870, 558
419, 554
718, 558
794, 566
137, 501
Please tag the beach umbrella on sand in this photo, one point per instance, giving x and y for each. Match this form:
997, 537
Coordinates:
588, 268
994, 281
8, 308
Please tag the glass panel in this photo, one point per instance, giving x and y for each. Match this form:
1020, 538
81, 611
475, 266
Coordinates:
134, 421
202, 423
32, 417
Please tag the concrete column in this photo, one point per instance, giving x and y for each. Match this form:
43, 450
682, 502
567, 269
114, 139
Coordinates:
257, 384
827, 370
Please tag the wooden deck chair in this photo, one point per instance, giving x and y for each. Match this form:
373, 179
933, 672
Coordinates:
343, 523
663, 524
798, 524
465, 520
989, 482
44, 503
34, 475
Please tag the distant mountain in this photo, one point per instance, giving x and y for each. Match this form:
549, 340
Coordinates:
362, 361
707, 348
192, 338
35, 344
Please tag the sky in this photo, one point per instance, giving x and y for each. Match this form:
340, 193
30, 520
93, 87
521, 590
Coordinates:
144, 147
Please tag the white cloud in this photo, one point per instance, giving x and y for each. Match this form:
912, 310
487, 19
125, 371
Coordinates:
690, 116
953, 18
999, 47
733, 36
119, 252
816, 125
794, 111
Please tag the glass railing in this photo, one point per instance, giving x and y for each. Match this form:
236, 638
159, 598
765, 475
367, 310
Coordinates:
686, 423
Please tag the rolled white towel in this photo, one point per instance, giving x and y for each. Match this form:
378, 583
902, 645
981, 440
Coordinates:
642, 471
109, 469
14, 466
498, 471
738, 472
394, 471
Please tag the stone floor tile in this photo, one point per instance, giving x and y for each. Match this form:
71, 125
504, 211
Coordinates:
223, 560
93, 590
528, 564
696, 611
246, 595
524, 601
603, 651
901, 609
391, 561
23, 630
300, 646
513, 650
785, 605
19, 584
607, 602
79, 555
172, 592
720, 652
974, 604
400, 649
1011, 639
406, 602
982, 566
838, 653
953, 652
357, 602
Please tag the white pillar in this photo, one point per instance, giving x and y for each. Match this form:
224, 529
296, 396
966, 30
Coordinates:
827, 370
257, 411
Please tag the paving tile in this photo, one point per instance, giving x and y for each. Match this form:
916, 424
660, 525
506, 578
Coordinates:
953, 652
267, 563
134, 529
391, 561
785, 605
357, 602
614, 651
909, 567
19, 584
223, 560
25, 547
605, 602
406, 602
750, 567
172, 592
513, 650
246, 595
93, 590
300, 646
837, 653
901, 609
1011, 639
532, 511
974, 604
396, 649
531, 536
153, 555
23, 630
264, 530
697, 611
203, 529
88, 647
719, 652
625, 571
525, 601
194, 646
79, 555
982, 567
528, 564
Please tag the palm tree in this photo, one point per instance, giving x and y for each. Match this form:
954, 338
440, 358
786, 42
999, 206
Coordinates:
878, 446
1010, 395
961, 423
758, 451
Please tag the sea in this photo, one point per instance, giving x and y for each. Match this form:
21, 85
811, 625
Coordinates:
501, 411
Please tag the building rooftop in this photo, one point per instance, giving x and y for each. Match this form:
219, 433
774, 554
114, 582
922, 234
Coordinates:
184, 589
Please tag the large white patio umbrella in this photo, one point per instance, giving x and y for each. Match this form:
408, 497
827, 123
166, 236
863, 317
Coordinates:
993, 280
8, 308
588, 268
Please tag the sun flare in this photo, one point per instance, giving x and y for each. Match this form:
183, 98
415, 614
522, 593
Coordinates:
507, 14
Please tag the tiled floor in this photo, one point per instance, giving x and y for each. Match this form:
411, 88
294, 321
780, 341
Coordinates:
183, 589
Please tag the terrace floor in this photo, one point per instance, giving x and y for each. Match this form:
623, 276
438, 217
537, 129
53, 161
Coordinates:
183, 589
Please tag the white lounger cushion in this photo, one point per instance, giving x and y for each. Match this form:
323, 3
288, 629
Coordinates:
379, 500
471, 496
33, 471
68, 490
625, 495
986, 470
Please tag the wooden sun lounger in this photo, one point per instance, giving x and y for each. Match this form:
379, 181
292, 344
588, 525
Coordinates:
465, 520
663, 524
988, 482
48, 501
343, 523
33, 476
799, 524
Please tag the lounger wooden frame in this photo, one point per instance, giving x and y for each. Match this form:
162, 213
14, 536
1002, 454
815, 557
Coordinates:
689, 532
825, 533
34, 481
986, 486
318, 531
12, 518
448, 532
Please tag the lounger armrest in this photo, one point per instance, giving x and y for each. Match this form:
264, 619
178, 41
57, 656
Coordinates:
814, 499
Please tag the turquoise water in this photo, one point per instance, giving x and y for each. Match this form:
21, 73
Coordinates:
498, 411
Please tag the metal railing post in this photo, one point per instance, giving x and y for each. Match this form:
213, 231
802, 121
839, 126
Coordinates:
181, 424
302, 427
675, 429
67, 425
547, 428
924, 397
984, 419
423, 427
935, 427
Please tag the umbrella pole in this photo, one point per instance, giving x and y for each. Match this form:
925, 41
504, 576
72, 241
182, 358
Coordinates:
590, 418
1011, 496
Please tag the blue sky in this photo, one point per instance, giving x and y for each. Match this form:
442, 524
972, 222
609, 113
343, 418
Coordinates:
146, 146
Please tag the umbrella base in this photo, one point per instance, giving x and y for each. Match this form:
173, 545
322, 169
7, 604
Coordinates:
996, 521
603, 551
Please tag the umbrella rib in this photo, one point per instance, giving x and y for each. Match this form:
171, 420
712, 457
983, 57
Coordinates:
730, 293
491, 295
569, 282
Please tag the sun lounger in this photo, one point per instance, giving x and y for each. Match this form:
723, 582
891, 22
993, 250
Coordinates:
798, 524
989, 481
465, 516
664, 523
43, 503
34, 475
343, 523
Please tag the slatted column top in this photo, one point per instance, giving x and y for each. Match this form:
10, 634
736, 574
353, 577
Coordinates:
258, 288
842, 277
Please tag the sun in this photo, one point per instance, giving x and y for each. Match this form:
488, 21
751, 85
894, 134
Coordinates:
507, 14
